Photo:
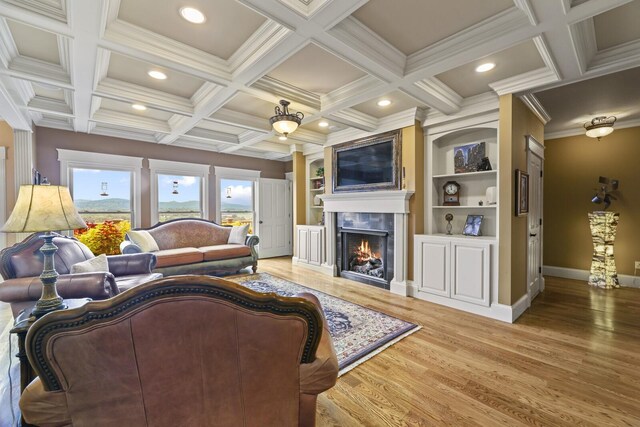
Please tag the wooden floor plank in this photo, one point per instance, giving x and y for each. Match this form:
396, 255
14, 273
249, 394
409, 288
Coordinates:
572, 359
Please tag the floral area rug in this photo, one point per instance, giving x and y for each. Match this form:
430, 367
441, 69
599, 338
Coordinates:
358, 333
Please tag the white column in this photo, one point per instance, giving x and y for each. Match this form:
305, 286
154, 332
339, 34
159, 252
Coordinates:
329, 264
24, 163
3, 194
400, 254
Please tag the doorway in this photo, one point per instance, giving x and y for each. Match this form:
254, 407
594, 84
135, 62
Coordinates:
275, 221
535, 168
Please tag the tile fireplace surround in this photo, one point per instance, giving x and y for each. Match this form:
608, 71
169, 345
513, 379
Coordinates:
394, 202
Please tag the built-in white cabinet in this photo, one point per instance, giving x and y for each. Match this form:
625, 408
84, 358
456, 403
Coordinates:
309, 244
454, 267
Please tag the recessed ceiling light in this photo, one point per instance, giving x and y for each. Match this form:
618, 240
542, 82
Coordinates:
482, 68
156, 74
138, 107
323, 124
384, 103
192, 15
282, 138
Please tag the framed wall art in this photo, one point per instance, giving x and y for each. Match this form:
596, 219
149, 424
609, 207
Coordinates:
522, 193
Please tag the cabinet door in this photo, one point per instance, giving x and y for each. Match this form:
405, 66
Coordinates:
315, 246
432, 266
470, 272
303, 244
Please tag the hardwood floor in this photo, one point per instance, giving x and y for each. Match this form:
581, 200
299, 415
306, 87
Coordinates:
572, 359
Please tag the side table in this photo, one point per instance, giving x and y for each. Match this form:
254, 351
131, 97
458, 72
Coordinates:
21, 328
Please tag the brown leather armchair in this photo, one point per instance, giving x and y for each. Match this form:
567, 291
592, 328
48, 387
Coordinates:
21, 265
181, 351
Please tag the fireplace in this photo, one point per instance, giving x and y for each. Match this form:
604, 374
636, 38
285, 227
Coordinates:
365, 248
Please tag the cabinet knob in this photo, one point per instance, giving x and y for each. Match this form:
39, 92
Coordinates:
533, 234
259, 222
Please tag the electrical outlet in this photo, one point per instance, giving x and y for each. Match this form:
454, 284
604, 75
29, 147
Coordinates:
637, 267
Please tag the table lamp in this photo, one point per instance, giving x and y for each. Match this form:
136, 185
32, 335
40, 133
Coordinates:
45, 208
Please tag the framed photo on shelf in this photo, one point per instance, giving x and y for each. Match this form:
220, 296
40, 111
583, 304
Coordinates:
468, 157
522, 193
472, 226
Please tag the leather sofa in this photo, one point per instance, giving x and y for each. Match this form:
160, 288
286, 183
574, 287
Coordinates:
22, 263
197, 246
183, 350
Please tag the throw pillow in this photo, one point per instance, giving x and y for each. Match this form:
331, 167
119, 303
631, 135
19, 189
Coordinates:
143, 239
93, 265
238, 234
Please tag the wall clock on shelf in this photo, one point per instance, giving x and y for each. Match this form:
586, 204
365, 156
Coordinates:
451, 194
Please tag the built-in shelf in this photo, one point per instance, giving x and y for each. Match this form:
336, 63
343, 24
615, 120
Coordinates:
316, 207
466, 207
313, 190
466, 174
315, 178
462, 236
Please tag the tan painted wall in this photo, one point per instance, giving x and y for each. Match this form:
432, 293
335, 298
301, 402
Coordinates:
48, 140
572, 168
299, 189
516, 121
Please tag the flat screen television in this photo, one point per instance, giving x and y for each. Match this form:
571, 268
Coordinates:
367, 164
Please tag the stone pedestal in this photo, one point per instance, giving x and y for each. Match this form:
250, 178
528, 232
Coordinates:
603, 266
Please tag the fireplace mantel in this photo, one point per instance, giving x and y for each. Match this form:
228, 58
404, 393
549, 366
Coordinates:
395, 201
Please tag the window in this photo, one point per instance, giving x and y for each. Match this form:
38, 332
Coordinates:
236, 202
178, 190
179, 197
103, 186
236, 196
102, 195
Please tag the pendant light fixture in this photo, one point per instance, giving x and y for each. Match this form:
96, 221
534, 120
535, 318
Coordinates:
175, 187
285, 122
228, 192
600, 126
105, 189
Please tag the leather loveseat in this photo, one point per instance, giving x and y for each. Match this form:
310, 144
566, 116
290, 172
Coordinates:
196, 246
21, 266
181, 351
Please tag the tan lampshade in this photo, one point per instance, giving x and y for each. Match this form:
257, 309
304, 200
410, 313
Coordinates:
43, 208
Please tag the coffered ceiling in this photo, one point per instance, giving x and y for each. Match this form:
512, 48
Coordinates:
81, 65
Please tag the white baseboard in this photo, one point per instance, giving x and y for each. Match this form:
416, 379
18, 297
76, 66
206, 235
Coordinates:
502, 312
399, 288
577, 274
324, 269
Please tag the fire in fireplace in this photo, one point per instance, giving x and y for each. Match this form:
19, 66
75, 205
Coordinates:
363, 255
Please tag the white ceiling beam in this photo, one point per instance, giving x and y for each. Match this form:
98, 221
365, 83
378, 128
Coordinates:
130, 121
10, 112
34, 19
248, 139
289, 92
436, 94
355, 119
47, 105
306, 136
212, 135
245, 121
592, 8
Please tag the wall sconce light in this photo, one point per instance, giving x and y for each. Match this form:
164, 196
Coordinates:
600, 126
175, 187
228, 192
105, 189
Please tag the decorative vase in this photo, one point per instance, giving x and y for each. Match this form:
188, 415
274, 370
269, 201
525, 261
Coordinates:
603, 266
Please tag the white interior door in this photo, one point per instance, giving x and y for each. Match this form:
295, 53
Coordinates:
274, 214
535, 225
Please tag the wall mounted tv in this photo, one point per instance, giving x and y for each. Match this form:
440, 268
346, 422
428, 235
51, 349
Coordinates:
368, 164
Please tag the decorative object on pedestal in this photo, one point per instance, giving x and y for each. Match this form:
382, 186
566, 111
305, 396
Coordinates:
468, 157
522, 193
451, 195
320, 172
449, 217
472, 225
45, 208
603, 232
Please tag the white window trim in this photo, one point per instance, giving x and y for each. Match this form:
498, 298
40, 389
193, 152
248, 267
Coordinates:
168, 167
70, 159
239, 174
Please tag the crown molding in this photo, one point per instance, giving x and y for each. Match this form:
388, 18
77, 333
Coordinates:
305, 8
51, 106
285, 90
589, 9
44, 8
10, 112
40, 19
245, 121
124, 133
381, 53
129, 92
130, 121
498, 32
39, 71
532, 102
8, 48
583, 42
24, 91
436, 94
186, 142
62, 123
130, 40
308, 137
482, 104
525, 7
352, 93
355, 118
267, 37
524, 81
212, 135
617, 58
273, 147
546, 55
247, 139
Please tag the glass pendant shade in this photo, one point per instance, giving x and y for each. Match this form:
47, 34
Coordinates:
600, 126
285, 122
